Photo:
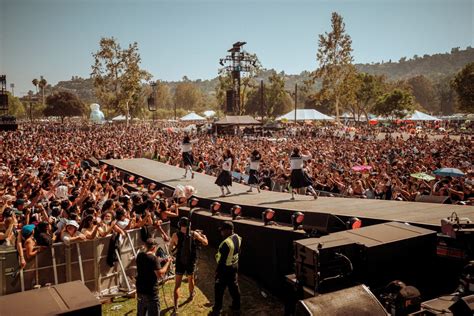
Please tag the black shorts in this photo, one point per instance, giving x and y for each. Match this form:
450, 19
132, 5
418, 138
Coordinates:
182, 269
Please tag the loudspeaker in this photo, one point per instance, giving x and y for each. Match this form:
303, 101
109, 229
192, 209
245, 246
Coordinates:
357, 300
464, 306
433, 199
3, 102
230, 101
323, 223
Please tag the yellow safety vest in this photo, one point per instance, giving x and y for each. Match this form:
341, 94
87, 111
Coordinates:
233, 256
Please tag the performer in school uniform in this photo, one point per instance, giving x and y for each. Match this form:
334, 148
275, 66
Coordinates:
224, 179
254, 162
187, 154
299, 178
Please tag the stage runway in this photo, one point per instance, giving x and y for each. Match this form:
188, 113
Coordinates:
424, 214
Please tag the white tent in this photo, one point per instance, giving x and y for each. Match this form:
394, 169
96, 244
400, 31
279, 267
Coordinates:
420, 116
192, 117
305, 115
209, 113
120, 118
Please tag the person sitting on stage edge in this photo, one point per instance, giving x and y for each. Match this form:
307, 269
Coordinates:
186, 242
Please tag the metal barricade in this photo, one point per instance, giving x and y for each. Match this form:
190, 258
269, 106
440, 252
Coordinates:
85, 261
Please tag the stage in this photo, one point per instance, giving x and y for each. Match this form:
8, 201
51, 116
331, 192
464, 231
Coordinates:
427, 215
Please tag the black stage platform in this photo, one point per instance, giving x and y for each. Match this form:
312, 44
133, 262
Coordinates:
427, 215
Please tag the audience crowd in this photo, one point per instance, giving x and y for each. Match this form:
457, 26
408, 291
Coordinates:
50, 191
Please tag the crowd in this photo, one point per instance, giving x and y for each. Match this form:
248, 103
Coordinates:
50, 193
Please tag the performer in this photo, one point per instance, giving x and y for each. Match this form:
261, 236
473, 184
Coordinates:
254, 162
224, 179
187, 153
185, 241
299, 178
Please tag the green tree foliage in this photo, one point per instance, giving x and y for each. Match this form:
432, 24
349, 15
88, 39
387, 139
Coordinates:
446, 96
424, 93
42, 85
187, 96
277, 100
117, 77
463, 84
335, 60
15, 106
395, 104
35, 82
64, 104
369, 89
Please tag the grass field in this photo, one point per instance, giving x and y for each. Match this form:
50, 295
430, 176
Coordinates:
252, 299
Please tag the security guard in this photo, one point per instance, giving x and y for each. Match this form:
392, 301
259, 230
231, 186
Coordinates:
227, 258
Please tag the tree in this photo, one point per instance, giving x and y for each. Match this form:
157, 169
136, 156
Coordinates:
424, 92
277, 101
395, 104
42, 84
35, 83
463, 84
15, 106
334, 57
370, 87
117, 76
64, 104
187, 96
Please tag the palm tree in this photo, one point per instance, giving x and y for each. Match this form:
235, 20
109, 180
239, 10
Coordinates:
35, 83
42, 84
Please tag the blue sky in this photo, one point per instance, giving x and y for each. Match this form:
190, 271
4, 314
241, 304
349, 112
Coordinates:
55, 38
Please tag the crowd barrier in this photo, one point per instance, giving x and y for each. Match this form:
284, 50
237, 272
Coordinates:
85, 261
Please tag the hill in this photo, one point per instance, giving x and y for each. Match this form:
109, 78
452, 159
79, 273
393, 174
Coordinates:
435, 67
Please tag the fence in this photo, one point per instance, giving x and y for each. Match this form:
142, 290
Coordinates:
85, 261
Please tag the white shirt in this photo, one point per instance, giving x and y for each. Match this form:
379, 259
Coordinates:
186, 147
254, 164
297, 162
227, 164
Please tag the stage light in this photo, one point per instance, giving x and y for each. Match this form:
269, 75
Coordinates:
215, 207
297, 220
221, 61
354, 223
236, 211
268, 216
193, 202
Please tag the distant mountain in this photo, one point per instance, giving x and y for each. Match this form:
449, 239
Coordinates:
434, 67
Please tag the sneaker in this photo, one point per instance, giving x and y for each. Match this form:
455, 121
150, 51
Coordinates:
222, 195
184, 177
192, 175
315, 196
249, 190
228, 193
258, 190
292, 198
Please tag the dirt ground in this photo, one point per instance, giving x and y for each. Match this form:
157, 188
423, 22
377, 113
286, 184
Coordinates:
254, 300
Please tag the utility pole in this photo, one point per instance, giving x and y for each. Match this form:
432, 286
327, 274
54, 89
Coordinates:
296, 99
262, 100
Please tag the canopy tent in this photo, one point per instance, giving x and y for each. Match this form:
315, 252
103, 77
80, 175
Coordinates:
420, 116
238, 120
209, 113
192, 117
120, 118
305, 115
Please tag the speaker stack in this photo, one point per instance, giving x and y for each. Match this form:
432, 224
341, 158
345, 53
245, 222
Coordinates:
373, 255
8, 123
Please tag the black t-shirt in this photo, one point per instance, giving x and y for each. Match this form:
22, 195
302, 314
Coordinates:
147, 281
44, 239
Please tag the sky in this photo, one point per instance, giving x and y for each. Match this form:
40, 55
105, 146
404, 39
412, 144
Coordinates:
176, 38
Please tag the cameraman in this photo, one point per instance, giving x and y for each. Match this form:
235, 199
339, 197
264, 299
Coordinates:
185, 241
149, 270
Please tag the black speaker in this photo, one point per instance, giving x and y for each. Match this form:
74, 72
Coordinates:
230, 101
433, 199
357, 300
464, 306
3, 102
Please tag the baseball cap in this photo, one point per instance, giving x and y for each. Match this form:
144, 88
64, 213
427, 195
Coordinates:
72, 223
